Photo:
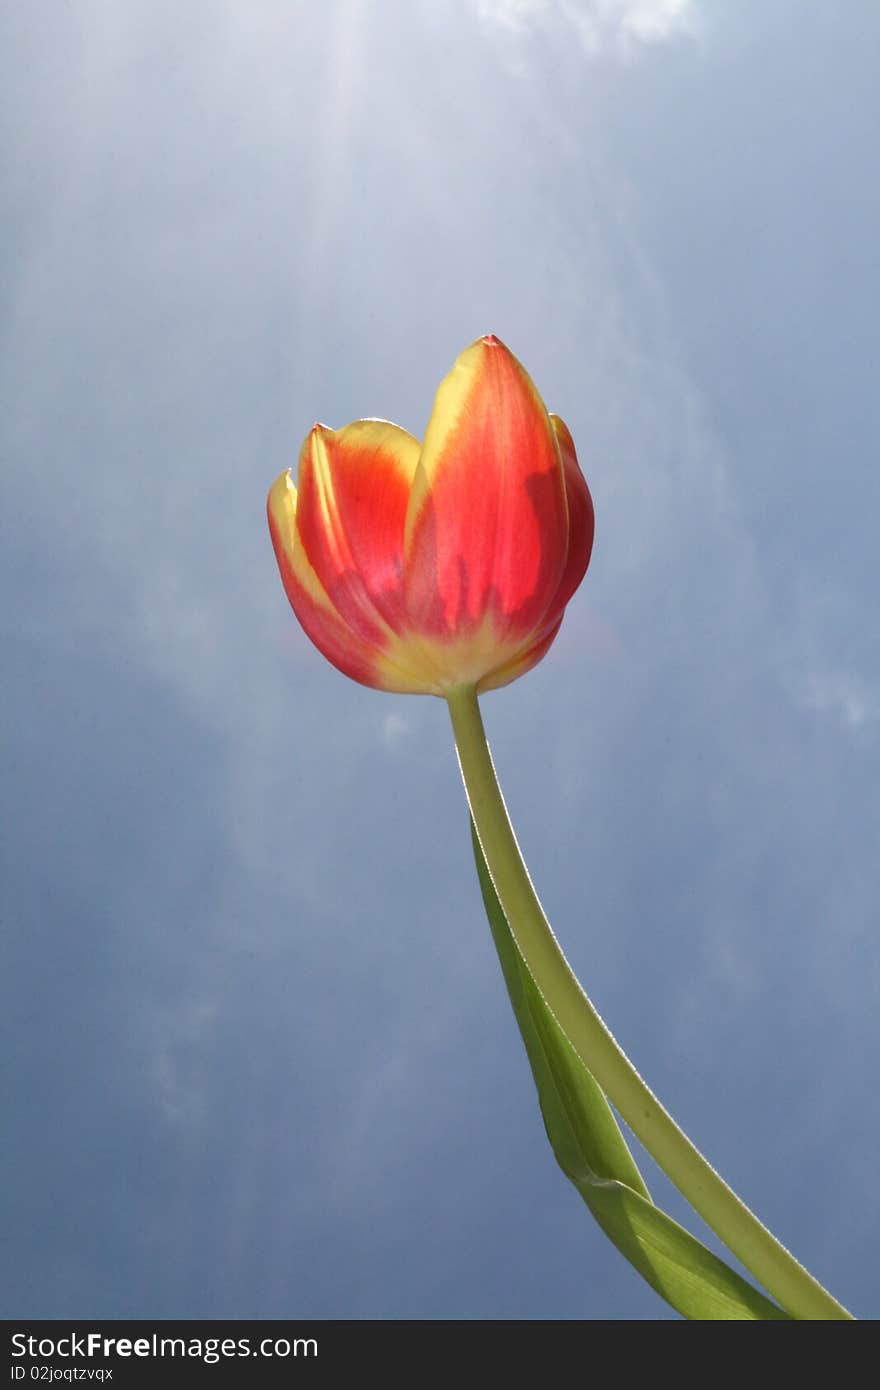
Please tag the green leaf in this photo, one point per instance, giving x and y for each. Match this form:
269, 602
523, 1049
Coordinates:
593, 1154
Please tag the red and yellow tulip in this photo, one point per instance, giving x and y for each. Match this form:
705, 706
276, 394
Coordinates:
427, 567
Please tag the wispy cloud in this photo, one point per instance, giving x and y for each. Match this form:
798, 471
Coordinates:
842, 695
179, 1063
603, 26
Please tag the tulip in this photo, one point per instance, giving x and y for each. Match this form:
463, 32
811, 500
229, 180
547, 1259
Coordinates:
444, 568
428, 568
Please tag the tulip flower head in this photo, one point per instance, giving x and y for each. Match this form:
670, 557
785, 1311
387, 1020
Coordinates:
423, 568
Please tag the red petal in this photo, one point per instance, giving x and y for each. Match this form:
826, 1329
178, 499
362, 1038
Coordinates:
487, 527
581, 518
310, 603
354, 486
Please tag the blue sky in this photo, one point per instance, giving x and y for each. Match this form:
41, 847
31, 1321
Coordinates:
262, 1062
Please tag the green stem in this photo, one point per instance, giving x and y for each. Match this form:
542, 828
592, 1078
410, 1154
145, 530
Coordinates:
740, 1230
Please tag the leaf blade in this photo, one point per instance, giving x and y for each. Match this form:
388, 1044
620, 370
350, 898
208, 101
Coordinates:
592, 1152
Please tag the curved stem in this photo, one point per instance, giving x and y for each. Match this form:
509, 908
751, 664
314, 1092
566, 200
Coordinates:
740, 1230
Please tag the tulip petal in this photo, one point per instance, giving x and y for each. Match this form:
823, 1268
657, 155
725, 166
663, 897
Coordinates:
487, 526
354, 486
523, 661
366, 649
318, 618
581, 517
